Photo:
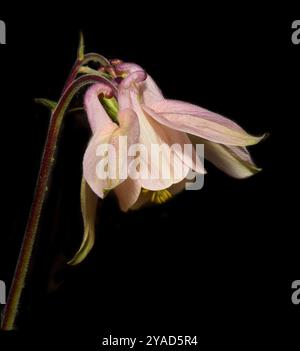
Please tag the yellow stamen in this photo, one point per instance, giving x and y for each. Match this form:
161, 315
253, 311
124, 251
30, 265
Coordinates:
160, 196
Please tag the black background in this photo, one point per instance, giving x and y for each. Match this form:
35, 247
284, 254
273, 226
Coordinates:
217, 263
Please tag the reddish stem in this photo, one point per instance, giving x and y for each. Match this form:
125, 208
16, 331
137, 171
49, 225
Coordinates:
20, 276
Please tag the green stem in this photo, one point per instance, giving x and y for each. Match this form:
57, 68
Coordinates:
79, 63
20, 276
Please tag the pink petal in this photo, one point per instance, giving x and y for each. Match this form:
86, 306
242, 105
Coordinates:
200, 122
235, 161
127, 85
149, 90
128, 67
128, 193
97, 115
153, 133
129, 126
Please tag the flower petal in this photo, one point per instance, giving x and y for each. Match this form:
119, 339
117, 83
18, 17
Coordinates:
127, 193
152, 134
127, 85
233, 160
109, 139
151, 93
89, 201
198, 121
97, 116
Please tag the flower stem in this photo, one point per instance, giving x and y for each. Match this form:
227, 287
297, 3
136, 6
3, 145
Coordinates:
42, 186
79, 63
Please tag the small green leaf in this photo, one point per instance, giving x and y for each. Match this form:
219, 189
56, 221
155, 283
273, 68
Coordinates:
80, 52
47, 103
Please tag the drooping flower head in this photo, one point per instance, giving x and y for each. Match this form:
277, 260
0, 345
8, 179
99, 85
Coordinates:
136, 116
147, 118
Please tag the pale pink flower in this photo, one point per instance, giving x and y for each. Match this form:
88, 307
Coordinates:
146, 117
140, 112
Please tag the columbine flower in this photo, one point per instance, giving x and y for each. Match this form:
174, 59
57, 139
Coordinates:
146, 117
140, 112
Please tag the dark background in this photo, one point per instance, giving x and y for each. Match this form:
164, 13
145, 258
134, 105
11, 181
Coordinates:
218, 263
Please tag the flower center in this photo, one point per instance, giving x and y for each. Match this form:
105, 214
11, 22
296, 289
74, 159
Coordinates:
158, 197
